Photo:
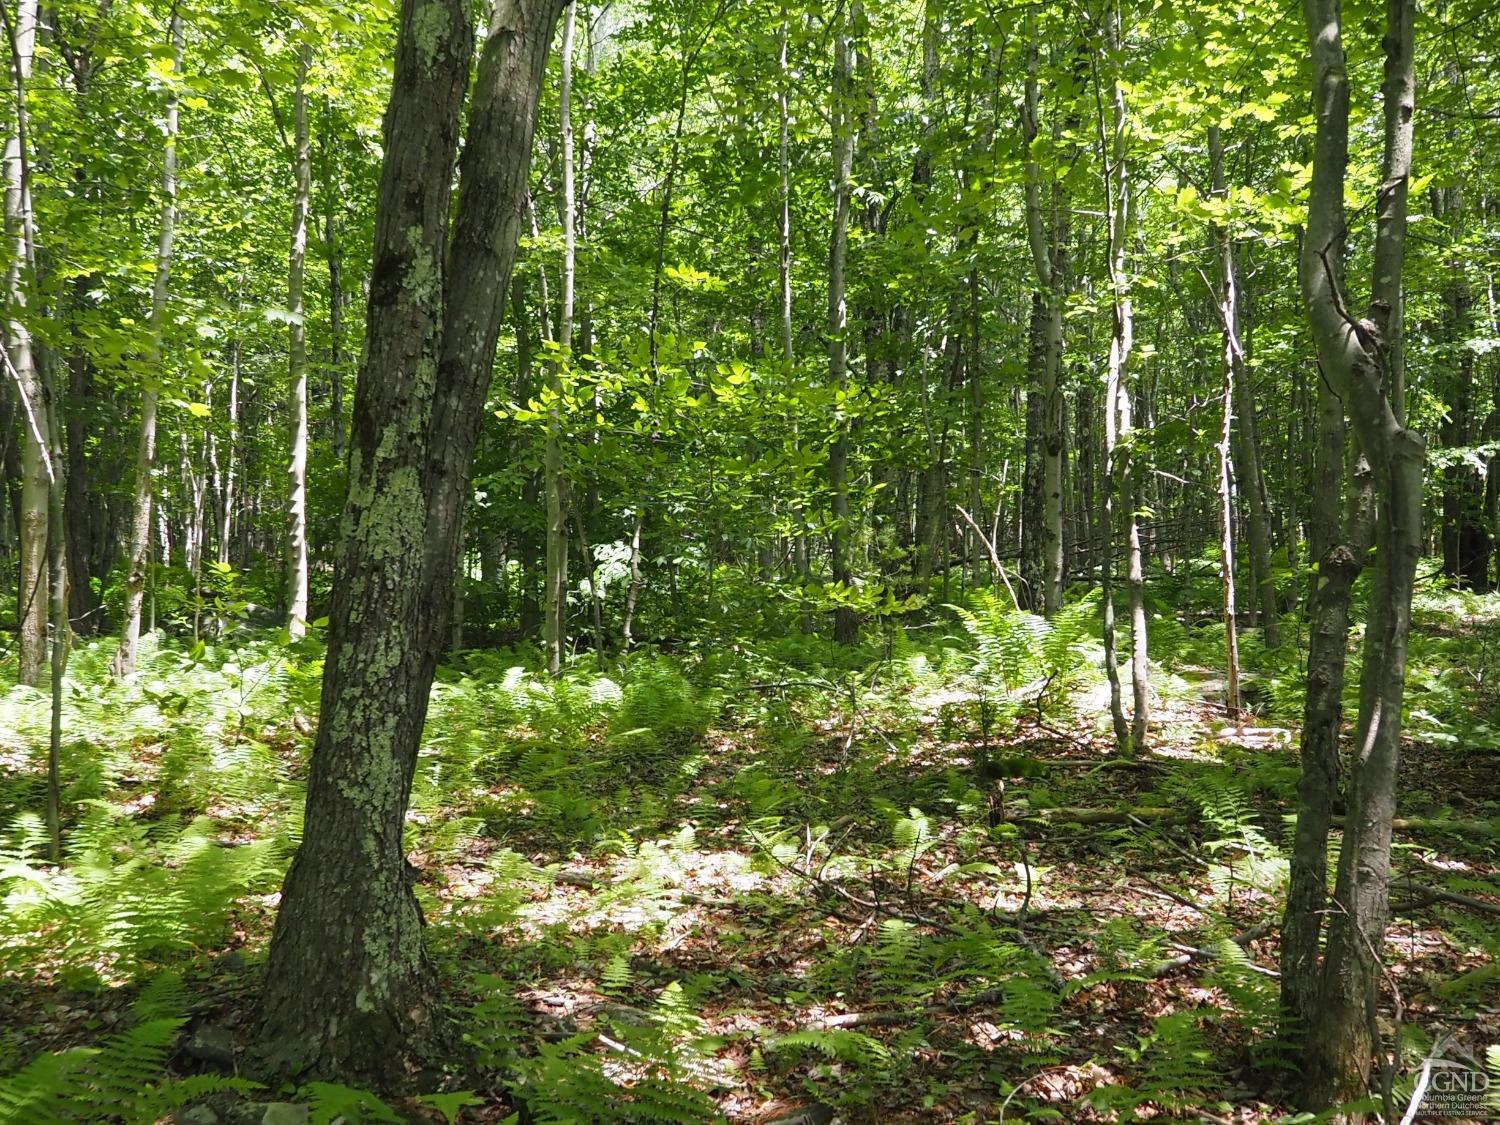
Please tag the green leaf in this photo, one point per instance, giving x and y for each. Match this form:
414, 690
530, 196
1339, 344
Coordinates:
449, 1104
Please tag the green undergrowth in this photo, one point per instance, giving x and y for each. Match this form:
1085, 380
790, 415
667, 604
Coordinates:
658, 888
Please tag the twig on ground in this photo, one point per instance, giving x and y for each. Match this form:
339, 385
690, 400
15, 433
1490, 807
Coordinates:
1191, 953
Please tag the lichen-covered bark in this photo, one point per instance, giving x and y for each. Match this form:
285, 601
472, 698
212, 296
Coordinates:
350, 993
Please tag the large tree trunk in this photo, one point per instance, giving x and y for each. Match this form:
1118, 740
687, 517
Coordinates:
138, 552
296, 508
350, 992
1362, 359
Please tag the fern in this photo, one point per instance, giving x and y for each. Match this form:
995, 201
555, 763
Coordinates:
901, 962
1008, 644
1254, 1000
332, 1104
1222, 796
1492, 1064
1030, 1007
1017, 651
495, 1023
566, 1083
1177, 1063
841, 1044
122, 1080
660, 708
163, 997
126, 898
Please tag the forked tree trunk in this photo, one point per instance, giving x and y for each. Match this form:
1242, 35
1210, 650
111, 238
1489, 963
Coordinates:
138, 551
1362, 359
296, 509
350, 992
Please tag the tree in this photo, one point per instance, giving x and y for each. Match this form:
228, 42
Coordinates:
845, 621
350, 990
1120, 479
24, 375
1047, 237
1362, 361
138, 551
556, 620
296, 510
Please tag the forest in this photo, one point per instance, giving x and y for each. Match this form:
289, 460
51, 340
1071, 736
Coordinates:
843, 561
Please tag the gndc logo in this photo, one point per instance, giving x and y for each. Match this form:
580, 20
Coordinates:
1452, 1082
1456, 1078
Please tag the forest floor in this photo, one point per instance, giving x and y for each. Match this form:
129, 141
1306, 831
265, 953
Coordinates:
912, 884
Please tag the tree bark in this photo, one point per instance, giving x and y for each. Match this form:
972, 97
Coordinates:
33, 590
1119, 472
296, 509
350, 992
227, 498
1362, 360
1466, 538
555, 626
138, 556
1252, 480
845, 621
83, 509
337, 298
1233, 368
1043, 530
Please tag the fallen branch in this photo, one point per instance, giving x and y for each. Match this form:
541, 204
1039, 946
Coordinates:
890, 1018
1103, 816
1191, 953
1435, 824
1429, 895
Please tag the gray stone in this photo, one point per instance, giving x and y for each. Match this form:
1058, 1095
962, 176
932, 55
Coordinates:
211, 1045
284, 1113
